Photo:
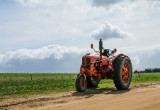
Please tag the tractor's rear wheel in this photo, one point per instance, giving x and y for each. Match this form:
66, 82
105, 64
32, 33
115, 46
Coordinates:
92, 82
122, 72
81, 84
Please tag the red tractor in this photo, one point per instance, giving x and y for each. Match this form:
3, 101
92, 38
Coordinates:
104, 65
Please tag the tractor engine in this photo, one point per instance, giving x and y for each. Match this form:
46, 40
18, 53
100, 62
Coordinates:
93, 67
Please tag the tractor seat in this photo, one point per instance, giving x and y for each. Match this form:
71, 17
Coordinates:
106, 52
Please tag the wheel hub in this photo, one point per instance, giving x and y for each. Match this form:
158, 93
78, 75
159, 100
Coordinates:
125, 72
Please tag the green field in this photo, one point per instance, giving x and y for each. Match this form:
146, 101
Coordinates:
15, 84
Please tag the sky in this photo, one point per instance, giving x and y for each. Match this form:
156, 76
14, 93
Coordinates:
53, 35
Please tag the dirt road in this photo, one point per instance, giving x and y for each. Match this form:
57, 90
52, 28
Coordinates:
144, 96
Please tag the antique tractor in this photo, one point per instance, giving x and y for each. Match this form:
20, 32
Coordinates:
104, 65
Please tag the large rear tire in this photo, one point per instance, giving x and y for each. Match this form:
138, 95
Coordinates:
122, 72
92, 83
81, 85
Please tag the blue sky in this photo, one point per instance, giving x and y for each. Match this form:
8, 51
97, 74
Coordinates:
52, 36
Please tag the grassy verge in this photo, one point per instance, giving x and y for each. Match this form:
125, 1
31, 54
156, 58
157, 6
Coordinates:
21, 84
145, 77
16, 84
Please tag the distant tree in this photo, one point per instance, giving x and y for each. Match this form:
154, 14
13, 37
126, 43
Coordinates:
156, 70
148, 70
136, 71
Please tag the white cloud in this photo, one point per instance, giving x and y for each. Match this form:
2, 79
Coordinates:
143, 57
34, 3
42, 53
108, 31
105, 3
54, 58
29, 2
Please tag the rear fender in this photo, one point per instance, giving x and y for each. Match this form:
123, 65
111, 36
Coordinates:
115, 59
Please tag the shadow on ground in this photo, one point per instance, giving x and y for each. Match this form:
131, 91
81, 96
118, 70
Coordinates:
91, 91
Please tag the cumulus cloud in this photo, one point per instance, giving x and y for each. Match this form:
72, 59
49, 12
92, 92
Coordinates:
29, 2
110, 3
52, 58
143, 57
45, 52
108, 31
105, 3
55, 58
33, 3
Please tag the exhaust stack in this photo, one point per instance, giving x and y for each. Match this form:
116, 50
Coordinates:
100, 48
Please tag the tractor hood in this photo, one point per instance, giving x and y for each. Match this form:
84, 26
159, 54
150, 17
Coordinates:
95, 56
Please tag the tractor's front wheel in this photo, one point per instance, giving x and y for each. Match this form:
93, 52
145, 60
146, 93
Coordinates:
81, 84
122, 72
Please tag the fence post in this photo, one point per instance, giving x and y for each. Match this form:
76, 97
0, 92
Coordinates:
43, 76
31, 76
62, 81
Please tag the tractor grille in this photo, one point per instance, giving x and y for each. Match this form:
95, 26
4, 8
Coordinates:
86, 62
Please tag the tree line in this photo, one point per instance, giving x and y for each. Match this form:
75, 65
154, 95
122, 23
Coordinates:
148, 70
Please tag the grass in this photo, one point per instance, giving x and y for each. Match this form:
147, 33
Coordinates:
21, 84
12, 84
35, 76
145, 77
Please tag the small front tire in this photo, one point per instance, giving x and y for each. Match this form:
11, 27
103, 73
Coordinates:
81, 85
